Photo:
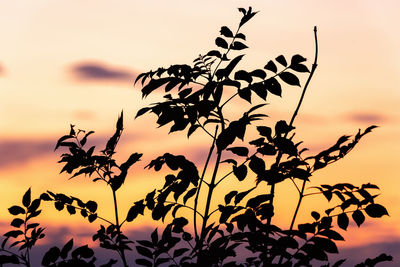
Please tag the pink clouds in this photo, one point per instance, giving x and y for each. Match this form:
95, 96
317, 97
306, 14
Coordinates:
97, 71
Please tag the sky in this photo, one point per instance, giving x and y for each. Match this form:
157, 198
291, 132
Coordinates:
74, 62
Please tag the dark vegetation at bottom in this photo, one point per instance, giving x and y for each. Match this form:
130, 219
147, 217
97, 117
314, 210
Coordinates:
196, 100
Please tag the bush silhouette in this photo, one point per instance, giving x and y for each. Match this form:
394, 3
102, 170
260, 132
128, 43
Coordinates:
196, 100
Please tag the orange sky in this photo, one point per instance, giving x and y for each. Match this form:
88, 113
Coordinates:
47, 45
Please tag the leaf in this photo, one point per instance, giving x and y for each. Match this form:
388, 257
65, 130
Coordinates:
315, 215
376, 210
180, 252
15, 210
228, 197
66, 248
240, 151
300, 68
281, 60
17, 222
14, 233
325, 244
240, 172
331, 234
91, 206
271, 66
238, 46
225, 31
221, 43
296, 59
232, 65
358, 217
240, 36
343, 221
189, 194
26, 199
257, 165
289, 78
245, 94
143, 262
273, 86
243, 75
51, 256
259, 73
256, 201
241, 195
144, 252
142, 111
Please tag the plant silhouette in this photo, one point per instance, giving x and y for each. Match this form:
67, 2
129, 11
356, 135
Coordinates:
196, 100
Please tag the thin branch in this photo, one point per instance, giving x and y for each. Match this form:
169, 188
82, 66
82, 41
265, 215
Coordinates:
313, 68
201, 181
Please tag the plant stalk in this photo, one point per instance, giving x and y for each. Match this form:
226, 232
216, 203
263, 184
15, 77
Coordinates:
122, 252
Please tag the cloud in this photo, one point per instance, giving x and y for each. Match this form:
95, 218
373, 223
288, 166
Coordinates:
16, 152
19, 151
355, 255
97, 71
366, 117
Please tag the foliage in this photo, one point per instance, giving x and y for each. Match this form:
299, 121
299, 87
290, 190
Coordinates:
196, 98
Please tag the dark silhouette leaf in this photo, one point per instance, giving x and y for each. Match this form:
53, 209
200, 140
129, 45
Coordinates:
26, 199
240, 172
143, 262
358, 217
17, 222
271, 66
240, 151
343, 221
238, 46
273, 86
281, 60
66, 248
289, 78
376, 210
221, 43
51, 256
15, 210
225, 31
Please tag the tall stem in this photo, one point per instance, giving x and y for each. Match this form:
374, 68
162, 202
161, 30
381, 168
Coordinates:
211, 188
313, 68
121, 251
201, 182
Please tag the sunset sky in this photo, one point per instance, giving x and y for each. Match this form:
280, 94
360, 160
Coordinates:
65, 62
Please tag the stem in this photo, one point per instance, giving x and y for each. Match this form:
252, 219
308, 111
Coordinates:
201, 181
211, 187
122, 253
313, 68
27, 255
